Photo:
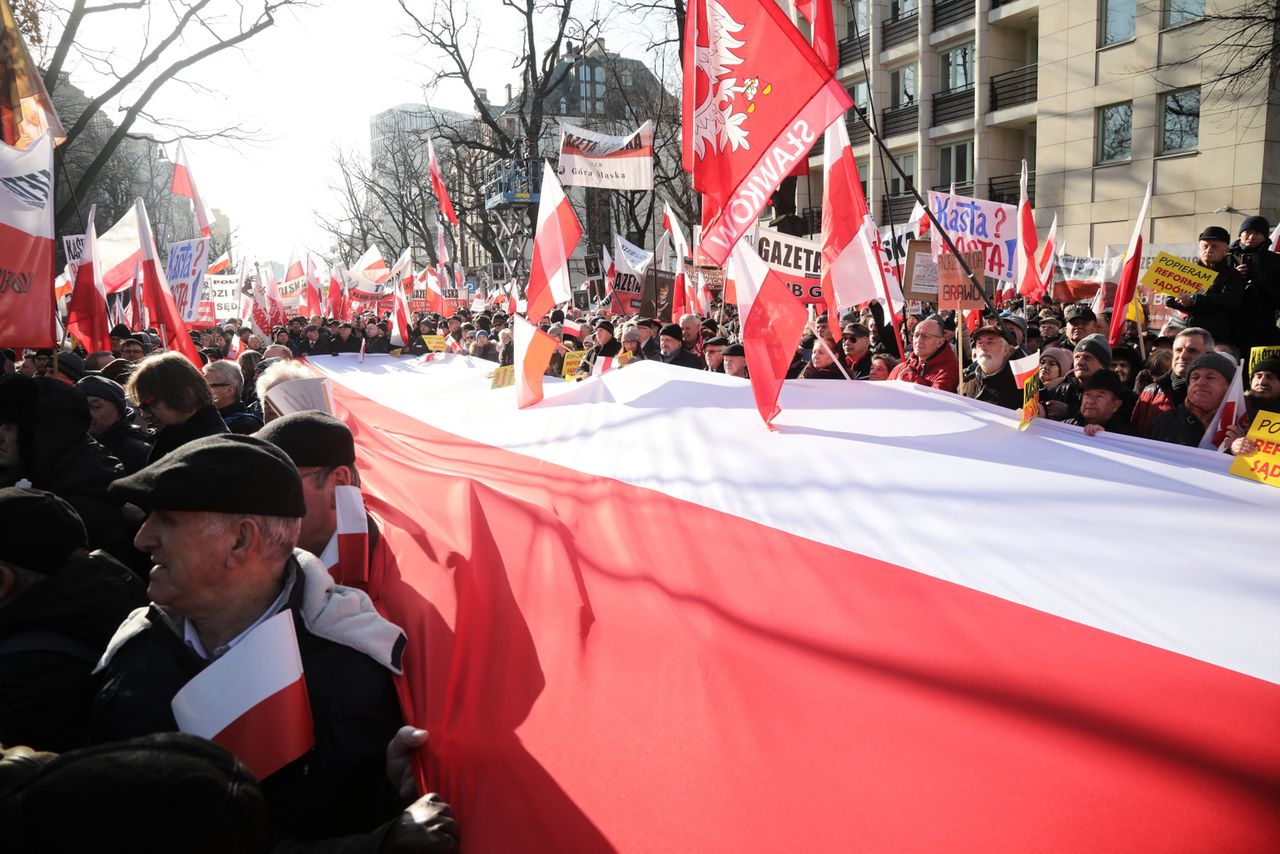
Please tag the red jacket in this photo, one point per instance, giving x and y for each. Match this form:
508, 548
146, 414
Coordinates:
940, 371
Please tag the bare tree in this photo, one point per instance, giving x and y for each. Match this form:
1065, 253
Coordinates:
199, 29
1237, 45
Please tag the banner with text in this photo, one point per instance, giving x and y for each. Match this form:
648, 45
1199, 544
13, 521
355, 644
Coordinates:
978, 225
797, 259
590, 159
188, 260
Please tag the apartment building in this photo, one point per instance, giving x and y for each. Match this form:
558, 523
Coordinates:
1100, 97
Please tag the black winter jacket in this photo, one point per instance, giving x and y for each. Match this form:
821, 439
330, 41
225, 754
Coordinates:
1254, 323
203, 422
127, 442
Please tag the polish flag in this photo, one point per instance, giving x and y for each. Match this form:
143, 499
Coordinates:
533, 351
1128, 284
703, 295
1099, 304
819, 15
772, 323
1047, 254
558, 232
1030, 285
87, 310
679, 293
253, 700
1231, 411
338, 306
438, 186
671, 224
402, 268
601, 365
1024, 368
755, 98
1098, 701
27, 308
351, 558
571, 327
314, 303
157, 297
119, 252
269, 293
453, 344
234, 345
1274, 245
184, 184
222, 265
850, 265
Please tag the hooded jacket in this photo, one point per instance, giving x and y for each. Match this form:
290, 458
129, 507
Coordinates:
51, 635
349, 653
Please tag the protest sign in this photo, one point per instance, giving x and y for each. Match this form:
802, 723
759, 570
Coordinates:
921, 276
1263, 465
185, 272
977, 225
657, 294
504, 376
1176, 277
590, 159
435, 343
572, 359
1030, 400
798, 260
1257, 354
955, 290
221, 300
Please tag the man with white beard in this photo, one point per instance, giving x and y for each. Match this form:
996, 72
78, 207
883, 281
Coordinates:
993, 380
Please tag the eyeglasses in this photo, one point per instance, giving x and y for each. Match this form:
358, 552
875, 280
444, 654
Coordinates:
146, 405
919, 335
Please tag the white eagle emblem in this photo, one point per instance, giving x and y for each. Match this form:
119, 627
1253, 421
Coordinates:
715, 117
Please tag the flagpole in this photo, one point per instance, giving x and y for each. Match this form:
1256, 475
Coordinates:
822, 342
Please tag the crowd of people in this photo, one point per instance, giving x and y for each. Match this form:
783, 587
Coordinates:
153, 513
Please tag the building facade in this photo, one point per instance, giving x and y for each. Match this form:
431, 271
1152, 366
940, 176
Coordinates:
1099, 96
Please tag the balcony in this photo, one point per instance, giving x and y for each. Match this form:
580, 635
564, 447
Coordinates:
812, 220
953, 106
854, 48
947, 12
903, 119
1005, 188
1014, 87
897, 208
963, 188
857, 130
900, 30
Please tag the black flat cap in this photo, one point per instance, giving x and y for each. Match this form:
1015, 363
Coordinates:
735, 350
1216, 232
226, 473
672, 330
23, 512
311, 439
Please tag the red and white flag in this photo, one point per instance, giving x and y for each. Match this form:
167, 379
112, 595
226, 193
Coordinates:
87, 309
27, 309
234, 345
157, 297
679, 293
403, 268
314, 302
772, 322
819, 15
602, 364
119, 252
348, 560
1023, 368
184, 184
221, 265
253, 700
850, 265
1047, 257
755, 98
571, 327
1129, 269
533, 351
1030, 285
26, 110
1232, 410
1274, 245
438, 186
703, 295
558, 232
671, 224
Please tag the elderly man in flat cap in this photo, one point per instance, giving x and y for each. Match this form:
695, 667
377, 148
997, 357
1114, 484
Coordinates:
225, 563
1213, 309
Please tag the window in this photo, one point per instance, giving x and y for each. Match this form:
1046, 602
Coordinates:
899, 9
902, 83
955, 163
1117, 20
859, 17
859, 94
564, 107
896, 185
627, 79
1181, 11
1115, 133
957, 68
1179, 120
864, 169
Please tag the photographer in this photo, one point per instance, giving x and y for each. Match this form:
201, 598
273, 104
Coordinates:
1255, 321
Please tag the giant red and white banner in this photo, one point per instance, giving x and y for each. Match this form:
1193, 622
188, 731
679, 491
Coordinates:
633, 611
590, 159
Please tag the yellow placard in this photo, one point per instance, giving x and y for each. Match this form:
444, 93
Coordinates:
572, 359
1030, 400
504, 376
1263, 465
1169, 274
625, 359
1257, 354
435, 343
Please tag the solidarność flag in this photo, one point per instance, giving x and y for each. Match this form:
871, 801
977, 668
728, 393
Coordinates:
26, 246
558, 232
756, 96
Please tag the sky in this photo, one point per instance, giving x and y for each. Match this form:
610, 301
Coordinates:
311, 84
